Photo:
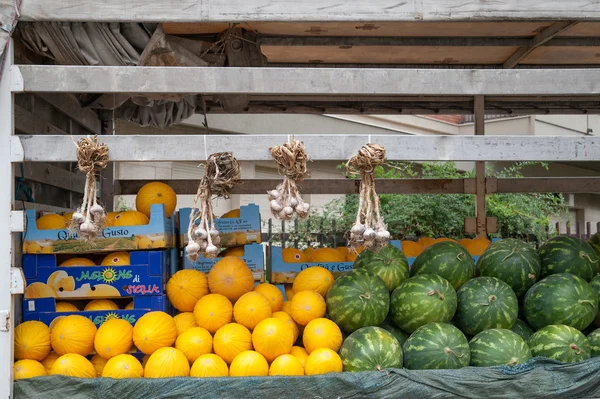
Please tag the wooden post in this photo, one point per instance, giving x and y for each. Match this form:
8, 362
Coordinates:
480, 217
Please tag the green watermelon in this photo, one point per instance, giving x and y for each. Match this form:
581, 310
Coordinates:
513, 261
422, 299
595, 284
400, 335
594, 338
436, 346
594, 242
568, 255
388, 262
561, 299
358, 299
448, 260
370, 349
559, 342
523, 329
484, 303
498, 347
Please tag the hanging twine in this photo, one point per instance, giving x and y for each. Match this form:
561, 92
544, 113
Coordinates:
221, 173
291, 161
369, 228
92, 158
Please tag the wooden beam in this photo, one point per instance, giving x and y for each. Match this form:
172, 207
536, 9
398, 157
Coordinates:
322, 10
27, 122
538, 40
68, 105
53, 176
321, 186
571, 185
480, 214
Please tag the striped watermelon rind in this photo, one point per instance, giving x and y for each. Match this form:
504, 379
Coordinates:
594, 339
594, 242
389, 263
595, 284
448, 260
400, 335
485, 303
358, 299
560, 342
523, 329
422, 299
371, 349
513, 261
568, 255
561, 299
436, 346
498, 347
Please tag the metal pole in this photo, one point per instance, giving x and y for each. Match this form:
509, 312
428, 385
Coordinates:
7, 178
479, 112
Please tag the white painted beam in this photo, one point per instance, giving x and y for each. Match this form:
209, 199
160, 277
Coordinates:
306, 10
168, 148
304, 81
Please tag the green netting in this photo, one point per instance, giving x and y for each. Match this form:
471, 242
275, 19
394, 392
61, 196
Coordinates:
540, 378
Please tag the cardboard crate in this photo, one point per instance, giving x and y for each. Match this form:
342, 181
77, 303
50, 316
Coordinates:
282, 272
233, 231
157, 234
254, 256
147, 275
44, 309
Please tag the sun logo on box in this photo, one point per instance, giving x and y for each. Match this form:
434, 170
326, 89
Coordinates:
110, 316
109, 275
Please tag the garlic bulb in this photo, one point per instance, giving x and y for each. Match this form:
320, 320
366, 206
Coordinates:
213, 233
358, 229
276, 206
383, 235
274, 194
288, 210
78, 217
86, 228
192, 247
369, 234
211, 250
200, 233
293, 202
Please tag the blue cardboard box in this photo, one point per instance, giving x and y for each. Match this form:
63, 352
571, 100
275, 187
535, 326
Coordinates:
147, 274
233, 231
254, 257
157, 234
282, 272
44, 309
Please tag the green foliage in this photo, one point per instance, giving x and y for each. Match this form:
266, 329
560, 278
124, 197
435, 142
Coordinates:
442, 215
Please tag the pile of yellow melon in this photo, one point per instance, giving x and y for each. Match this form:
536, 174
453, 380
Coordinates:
475, 246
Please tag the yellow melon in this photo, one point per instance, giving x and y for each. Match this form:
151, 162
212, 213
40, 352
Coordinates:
32, 341
464, 242
343, 251
73, 365
287, 307
123, 366
51, 221
28, 368
230, 340
308, 251
286, 365
129, 306
272, 293
120, 258
64, 285
73, 334
322, 333
185, 288
306, 306
114, 337
34, 248
66, 307
110, 219
49, 360
209, 365
55, 277
411, 249
322, 361
314, 278
101, 304
425, 242
184, 321
194, 342
153, 331
130, 218
293, 255
326, 255
249, 364
156, 193
212, 312
285, 317
250, 309
39, 290
230, 277
233, 251
289, 291
234, 213
77, 262
272, 337
299, 353
478, 245
167, 362
99, 362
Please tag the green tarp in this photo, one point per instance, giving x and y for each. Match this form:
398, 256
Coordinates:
540, 378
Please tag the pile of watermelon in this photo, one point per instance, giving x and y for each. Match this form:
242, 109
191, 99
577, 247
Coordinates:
446, 312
